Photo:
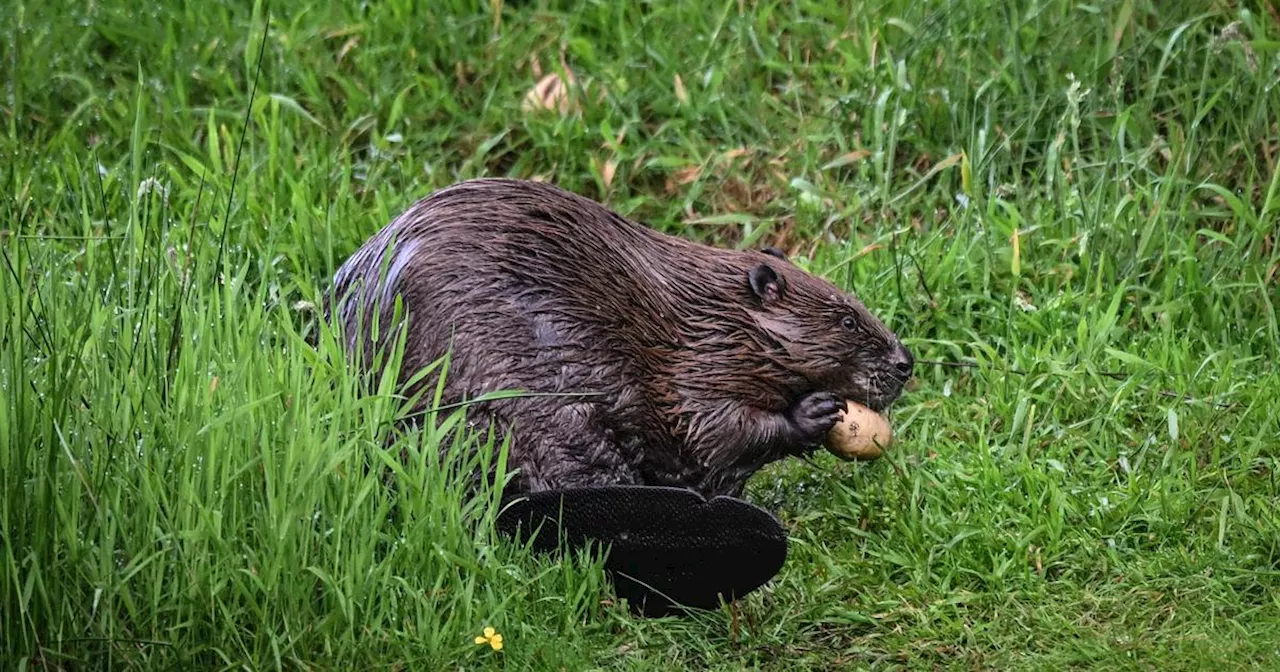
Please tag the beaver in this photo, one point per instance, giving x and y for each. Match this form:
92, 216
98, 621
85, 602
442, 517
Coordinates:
651, 359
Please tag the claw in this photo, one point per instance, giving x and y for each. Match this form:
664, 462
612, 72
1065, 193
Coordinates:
815, 414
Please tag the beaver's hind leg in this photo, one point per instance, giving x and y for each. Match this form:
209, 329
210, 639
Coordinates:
558, 445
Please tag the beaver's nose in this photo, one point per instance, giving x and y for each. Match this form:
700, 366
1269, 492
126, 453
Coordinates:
902, 361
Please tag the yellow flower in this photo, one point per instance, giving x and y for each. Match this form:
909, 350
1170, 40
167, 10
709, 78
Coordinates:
493, 638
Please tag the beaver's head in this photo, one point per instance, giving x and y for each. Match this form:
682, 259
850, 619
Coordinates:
826, 337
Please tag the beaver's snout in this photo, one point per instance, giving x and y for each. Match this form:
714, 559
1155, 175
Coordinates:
902, 362
887, 377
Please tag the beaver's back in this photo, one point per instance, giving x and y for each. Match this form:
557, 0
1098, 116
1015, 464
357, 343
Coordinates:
534, 286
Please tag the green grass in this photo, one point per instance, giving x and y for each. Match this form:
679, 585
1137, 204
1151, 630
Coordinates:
1069, 211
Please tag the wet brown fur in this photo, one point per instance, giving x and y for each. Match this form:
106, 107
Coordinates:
699, 364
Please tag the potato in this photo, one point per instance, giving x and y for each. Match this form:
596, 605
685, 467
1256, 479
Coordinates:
861, 434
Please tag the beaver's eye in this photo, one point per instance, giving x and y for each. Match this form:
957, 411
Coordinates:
849, 323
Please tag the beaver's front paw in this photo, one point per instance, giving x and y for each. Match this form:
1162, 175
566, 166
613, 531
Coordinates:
814, 414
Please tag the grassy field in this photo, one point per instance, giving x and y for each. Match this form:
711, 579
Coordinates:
1069, 211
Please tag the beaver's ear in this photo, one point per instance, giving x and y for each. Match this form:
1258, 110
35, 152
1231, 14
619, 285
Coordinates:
765, 284
774, 252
